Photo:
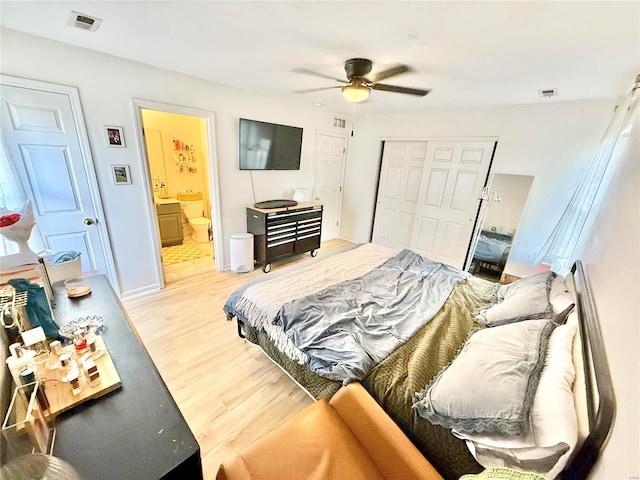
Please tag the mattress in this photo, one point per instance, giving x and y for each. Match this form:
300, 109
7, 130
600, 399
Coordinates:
395, 380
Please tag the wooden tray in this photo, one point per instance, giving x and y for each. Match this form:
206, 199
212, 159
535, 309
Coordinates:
59, 392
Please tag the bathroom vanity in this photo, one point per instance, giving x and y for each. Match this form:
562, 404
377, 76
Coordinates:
169, 221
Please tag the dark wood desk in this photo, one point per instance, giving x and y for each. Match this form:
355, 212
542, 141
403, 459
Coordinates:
136, 432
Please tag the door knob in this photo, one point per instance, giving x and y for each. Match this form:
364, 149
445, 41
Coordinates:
88, 221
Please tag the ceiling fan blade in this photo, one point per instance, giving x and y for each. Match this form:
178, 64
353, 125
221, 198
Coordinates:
316, 74
390, 72
309, 90
393, 88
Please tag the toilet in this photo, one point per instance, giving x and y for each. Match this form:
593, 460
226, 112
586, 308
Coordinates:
193, 212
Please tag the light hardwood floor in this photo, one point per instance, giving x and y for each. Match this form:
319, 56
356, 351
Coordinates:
177, 271
229, 392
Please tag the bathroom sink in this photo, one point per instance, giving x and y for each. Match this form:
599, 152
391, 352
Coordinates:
165, 201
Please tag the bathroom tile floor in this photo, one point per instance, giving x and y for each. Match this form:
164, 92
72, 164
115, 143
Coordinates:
183, 270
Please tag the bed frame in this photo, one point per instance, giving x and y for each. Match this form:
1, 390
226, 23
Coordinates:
600, 399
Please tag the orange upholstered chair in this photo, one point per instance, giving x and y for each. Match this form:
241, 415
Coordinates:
350, 437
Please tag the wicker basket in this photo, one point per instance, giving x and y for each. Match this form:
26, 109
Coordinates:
189, 197
64, 270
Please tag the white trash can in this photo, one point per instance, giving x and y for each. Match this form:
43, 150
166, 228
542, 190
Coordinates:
241, 252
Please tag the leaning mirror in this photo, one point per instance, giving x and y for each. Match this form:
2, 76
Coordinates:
503, 202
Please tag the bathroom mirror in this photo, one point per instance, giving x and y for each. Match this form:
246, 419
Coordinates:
504, 201
155, 153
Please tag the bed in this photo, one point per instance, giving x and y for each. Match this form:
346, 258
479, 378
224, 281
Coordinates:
412, 356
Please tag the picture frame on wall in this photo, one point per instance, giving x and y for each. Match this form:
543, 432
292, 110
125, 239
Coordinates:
114, 136
121, 174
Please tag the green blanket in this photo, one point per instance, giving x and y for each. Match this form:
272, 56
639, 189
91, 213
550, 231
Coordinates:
394, 381
319, 387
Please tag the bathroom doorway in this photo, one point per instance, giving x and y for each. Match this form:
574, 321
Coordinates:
182, 189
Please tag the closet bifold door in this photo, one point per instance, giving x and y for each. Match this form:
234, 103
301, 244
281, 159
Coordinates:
428, 196
398, 189
448, 203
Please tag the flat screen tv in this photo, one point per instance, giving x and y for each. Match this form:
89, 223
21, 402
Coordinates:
268, 146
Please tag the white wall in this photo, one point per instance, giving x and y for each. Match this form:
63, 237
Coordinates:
554, 142
106, 85
611, 256
513, 190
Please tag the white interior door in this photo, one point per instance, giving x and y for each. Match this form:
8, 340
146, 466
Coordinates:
43, 139
398, 189
452, 181
330, 151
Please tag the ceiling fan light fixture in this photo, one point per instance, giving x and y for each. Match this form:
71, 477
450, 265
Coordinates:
356, 92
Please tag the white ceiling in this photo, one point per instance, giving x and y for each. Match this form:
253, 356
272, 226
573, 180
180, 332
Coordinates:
469, 53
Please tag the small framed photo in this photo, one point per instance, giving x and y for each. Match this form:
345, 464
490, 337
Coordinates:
121, 175
114, 136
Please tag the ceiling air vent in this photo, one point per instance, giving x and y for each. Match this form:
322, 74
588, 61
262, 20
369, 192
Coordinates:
549, 92
85, 22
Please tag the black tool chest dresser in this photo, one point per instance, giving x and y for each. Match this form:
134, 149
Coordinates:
281, 232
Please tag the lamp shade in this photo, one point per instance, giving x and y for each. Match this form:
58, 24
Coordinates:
356, 93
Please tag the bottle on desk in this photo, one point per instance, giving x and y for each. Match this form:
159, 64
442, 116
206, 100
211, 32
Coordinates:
79, 341
94, 351
53, 362
74, 382
20, 359
69, 367
28, 378
91, 371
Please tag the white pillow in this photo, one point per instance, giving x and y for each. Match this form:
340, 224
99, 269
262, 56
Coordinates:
547, 446
558, 286
524, 299
559, 295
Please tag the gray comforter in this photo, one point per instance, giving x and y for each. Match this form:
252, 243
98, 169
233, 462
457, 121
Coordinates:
351, 326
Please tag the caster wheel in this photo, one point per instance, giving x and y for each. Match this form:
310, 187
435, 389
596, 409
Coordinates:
266, 268
313, 253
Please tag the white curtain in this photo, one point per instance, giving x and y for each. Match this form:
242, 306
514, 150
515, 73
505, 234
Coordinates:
12, 194
558, 250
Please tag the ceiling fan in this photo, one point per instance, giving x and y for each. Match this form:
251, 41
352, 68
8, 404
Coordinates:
359, 83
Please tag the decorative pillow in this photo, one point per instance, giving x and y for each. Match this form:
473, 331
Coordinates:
547, 446
559, 295
489, 387
501, 473
524, 299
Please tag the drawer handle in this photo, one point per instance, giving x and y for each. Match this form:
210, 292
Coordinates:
280, 232
281, 225
271, 235
308, 236
269, 245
